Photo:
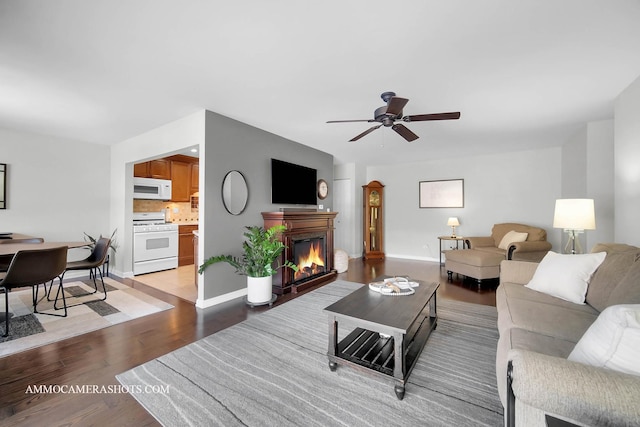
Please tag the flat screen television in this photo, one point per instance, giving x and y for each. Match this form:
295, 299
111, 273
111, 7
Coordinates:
292, 184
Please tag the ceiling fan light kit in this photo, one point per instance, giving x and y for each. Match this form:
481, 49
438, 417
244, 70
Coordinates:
387, 115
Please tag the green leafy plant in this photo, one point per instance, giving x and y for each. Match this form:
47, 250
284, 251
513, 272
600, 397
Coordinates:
262, 248
113, 245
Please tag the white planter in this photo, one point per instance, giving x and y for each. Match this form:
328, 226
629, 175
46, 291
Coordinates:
259, 289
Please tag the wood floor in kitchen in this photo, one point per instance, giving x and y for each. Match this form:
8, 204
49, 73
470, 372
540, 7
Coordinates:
178, 281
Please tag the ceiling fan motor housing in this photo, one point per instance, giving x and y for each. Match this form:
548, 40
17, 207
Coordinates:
380, 115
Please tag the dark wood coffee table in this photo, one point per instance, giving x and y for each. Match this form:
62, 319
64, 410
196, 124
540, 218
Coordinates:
390, 334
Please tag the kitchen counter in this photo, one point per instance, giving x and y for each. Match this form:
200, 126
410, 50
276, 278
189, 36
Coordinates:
185, 222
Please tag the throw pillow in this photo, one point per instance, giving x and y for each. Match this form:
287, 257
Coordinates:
627, 291
512, 237
606, 278
612, 341
565, 276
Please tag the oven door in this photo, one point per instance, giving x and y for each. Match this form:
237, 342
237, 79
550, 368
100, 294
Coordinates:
154, 245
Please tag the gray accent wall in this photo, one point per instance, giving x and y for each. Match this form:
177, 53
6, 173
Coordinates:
233, 145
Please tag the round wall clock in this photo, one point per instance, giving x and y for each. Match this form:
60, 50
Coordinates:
323, 189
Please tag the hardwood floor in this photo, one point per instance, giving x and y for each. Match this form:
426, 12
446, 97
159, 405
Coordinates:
95, 358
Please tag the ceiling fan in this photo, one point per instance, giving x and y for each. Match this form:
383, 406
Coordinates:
389, 114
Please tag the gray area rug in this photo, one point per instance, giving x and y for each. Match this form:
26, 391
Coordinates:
272, 370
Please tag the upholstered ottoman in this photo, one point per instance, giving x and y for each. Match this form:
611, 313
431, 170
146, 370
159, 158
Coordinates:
479, 265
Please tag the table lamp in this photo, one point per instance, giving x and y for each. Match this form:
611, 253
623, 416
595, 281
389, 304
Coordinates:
453, 223
574, 216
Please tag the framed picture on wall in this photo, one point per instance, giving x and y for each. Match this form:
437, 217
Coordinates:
448, 193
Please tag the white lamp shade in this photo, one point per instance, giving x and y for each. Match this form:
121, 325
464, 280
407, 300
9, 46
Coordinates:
453, 222
574, 214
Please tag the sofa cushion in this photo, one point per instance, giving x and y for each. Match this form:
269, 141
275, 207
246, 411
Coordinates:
508, 291
512, 237
567, 322
627, 291
612, 341
606, 278
566, 276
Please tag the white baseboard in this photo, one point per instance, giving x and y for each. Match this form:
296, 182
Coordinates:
416, 258
210, 302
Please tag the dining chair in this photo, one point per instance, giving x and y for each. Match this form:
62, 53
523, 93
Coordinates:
31, 268
5, 260
92, 263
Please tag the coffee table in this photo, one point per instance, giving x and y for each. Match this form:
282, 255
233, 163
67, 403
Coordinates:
390, 332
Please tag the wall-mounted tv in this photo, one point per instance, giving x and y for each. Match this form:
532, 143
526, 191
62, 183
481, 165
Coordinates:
292, 184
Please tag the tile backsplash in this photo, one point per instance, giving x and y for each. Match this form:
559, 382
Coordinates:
175, 211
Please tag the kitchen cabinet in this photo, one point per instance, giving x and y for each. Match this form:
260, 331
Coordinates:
180, 181
186, 254
159, 168
184, 177
195, 178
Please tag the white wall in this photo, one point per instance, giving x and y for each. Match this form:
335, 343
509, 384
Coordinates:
164, 140
357, 175
627, 165
600, 180
588, 172
511, 187
57, 189
574, 166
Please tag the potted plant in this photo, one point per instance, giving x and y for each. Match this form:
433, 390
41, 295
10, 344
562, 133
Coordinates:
262, 249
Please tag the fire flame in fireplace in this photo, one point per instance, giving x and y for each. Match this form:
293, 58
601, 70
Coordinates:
312, 263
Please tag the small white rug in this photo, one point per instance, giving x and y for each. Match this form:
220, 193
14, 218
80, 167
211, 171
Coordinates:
28, 330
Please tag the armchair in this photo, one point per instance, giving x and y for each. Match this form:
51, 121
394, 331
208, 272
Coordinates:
508, 241
534, 248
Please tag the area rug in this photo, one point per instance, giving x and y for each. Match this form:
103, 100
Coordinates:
272, 370
28, 330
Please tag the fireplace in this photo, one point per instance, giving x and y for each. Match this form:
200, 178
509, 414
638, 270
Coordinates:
309, 255
309, 242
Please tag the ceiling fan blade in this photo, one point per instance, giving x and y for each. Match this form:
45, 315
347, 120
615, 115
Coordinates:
404, 132
366, 132
349, 121
437, 116
396, 105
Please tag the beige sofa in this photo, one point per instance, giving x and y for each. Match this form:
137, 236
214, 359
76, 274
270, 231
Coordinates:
539, 331
482, 259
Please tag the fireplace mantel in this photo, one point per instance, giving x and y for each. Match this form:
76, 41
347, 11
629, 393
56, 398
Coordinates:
301, 224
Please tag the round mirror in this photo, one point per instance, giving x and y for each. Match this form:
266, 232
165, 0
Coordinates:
234, 192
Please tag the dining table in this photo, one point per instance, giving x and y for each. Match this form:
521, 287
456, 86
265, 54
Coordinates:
11, 249
9, 245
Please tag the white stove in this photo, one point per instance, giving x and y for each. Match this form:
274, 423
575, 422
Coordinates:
155, 243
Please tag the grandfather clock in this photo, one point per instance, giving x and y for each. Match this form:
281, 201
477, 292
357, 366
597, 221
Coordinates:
373, 232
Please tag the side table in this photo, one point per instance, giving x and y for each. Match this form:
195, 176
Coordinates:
457, 239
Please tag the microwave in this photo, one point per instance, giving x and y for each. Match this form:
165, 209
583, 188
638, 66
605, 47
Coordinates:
151, 189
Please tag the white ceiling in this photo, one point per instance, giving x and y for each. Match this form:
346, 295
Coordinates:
523, 73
